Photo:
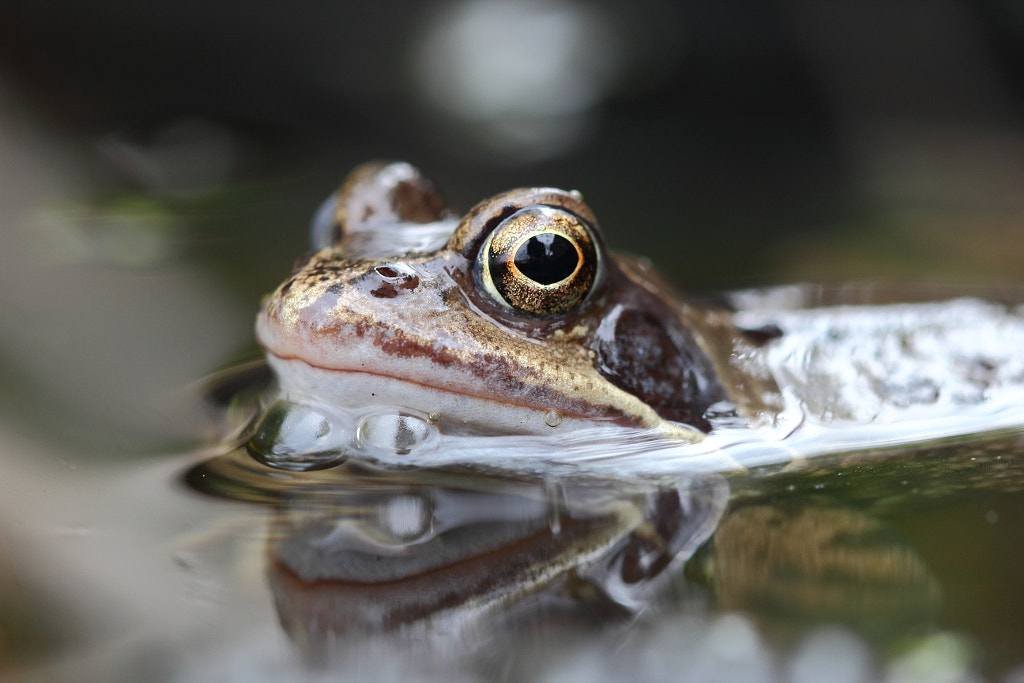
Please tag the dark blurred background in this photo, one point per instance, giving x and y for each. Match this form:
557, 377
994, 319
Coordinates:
735, 142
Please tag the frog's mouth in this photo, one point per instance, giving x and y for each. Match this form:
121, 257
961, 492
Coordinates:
459, 412
320, 415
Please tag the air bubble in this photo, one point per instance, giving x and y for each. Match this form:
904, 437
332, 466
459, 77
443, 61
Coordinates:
296, 438
399, 432
552, 419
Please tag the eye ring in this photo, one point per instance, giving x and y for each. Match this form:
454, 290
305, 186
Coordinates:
541, 260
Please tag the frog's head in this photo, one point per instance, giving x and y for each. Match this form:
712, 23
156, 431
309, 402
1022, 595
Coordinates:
408, 326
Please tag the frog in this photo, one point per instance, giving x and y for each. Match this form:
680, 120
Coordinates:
514, 321
513, 337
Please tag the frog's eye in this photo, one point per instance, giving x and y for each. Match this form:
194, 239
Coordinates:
540, 260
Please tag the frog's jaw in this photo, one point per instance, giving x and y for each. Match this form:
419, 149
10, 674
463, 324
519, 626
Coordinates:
452, 411
366, 414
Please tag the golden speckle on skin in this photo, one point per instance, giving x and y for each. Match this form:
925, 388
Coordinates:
578, 332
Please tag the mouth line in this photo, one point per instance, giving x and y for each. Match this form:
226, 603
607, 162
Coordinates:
562, 413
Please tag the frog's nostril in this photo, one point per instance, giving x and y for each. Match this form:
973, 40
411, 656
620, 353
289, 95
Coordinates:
395, 277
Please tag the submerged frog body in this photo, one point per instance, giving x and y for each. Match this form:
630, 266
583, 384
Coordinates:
513, 337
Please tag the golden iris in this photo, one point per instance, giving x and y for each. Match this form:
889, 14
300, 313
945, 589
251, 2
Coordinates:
540, 260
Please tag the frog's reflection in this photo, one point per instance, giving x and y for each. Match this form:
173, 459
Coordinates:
430, 557
352, 554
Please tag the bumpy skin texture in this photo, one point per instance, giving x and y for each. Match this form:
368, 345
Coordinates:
400, 292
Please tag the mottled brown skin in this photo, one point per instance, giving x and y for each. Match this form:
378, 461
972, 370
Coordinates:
377, 193
627, 351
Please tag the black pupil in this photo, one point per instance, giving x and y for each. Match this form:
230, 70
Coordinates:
547, 258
